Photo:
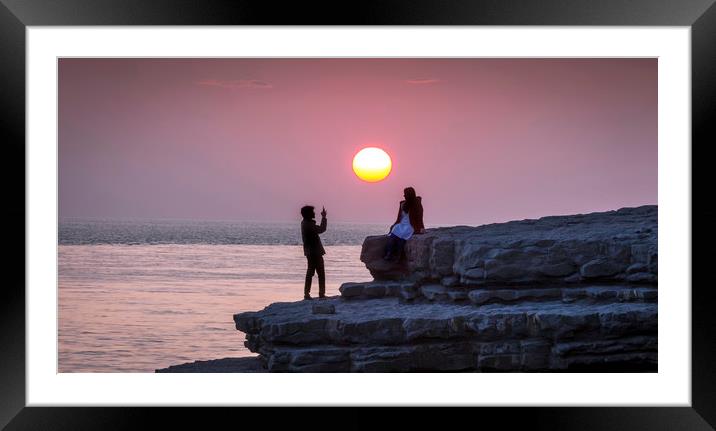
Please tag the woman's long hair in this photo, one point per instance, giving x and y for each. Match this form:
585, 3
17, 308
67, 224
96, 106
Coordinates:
410, 199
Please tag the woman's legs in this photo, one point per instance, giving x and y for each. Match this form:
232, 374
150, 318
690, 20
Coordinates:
394, 247
399, 249
389, 247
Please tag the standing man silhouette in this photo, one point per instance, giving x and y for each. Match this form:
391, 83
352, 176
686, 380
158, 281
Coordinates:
313, 250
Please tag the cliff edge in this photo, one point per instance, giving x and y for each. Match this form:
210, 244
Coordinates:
574, 293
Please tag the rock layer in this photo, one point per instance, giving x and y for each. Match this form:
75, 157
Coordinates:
386, 334
226, 365
576, 293
618, 246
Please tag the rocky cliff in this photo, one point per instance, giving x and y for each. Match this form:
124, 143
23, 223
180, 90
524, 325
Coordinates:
609, 246
574, 292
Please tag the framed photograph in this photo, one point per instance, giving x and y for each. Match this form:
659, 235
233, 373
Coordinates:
210, 210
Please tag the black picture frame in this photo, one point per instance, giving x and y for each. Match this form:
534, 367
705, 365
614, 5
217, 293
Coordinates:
16, 15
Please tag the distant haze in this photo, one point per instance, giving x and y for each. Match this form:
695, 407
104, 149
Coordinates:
481, 140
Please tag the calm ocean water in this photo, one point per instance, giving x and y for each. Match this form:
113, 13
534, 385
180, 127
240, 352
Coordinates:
139, 295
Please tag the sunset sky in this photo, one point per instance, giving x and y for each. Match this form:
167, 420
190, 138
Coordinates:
481, 140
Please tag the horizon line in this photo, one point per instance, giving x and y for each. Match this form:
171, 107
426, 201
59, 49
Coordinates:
127, 218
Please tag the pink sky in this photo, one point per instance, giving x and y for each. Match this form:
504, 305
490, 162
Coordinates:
481, 140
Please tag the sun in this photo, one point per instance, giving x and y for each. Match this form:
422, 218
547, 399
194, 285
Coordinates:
372, 164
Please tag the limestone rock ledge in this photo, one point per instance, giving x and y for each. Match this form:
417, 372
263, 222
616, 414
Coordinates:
618, 246
391, 335
563, 293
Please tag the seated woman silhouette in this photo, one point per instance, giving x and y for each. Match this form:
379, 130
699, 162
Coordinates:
409, 222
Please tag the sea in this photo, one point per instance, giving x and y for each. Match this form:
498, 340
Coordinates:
139, 295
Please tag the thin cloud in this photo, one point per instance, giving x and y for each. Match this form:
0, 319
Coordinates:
235, 84
422, 81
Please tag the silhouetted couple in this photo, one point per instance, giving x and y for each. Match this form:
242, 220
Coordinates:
408, 223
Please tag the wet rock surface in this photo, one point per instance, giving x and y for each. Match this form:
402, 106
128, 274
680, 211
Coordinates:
226, 365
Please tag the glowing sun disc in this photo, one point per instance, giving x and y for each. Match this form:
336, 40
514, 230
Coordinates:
372, 164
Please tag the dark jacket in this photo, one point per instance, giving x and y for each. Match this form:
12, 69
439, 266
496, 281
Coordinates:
311, 241
415, 215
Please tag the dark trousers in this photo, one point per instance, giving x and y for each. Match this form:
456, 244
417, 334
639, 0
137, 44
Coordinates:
315, 264
394, 247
